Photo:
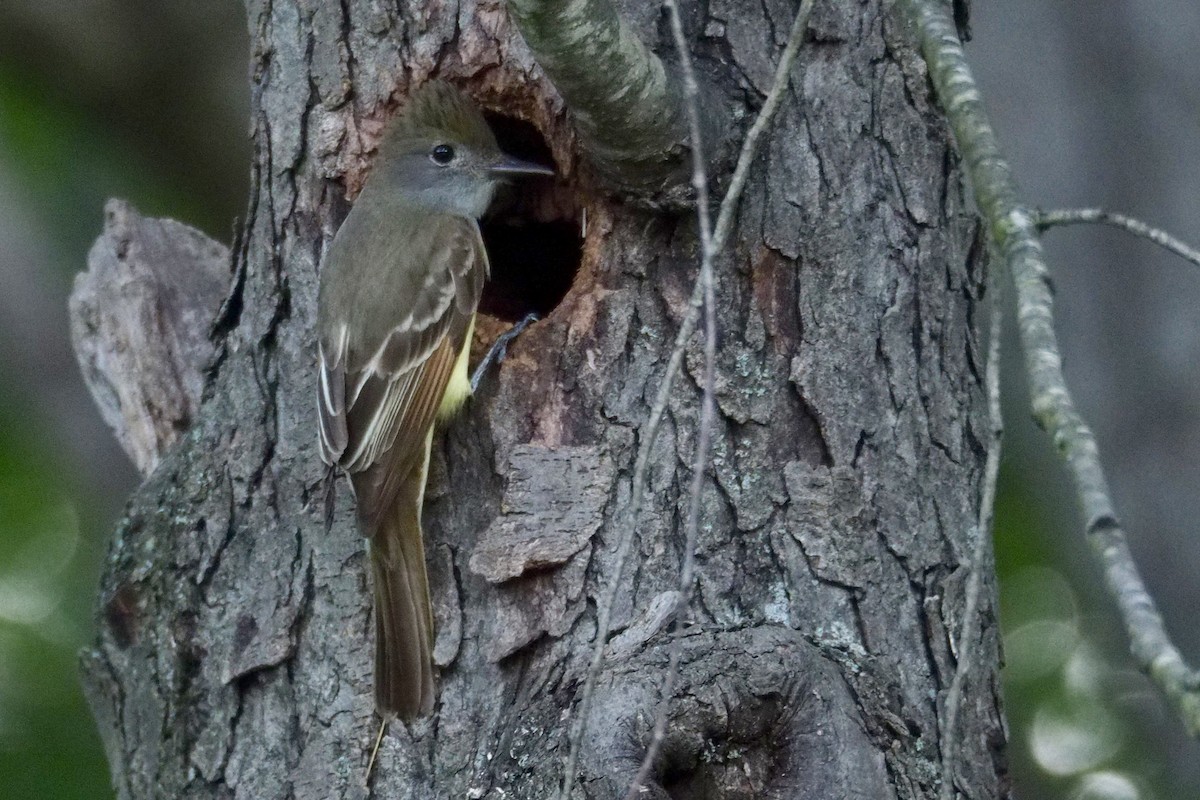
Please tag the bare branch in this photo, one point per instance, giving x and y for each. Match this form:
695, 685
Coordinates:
710, 246
707, 404
1014, 236
983, 537
625, 108
712, 243
1044, 220
750, 144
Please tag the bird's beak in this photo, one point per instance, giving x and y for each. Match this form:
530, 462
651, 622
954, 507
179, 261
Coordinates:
507, 165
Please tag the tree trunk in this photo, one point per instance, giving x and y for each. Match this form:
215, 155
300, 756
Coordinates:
234, 658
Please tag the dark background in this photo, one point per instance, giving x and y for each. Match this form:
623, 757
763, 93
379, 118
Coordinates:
1097, 103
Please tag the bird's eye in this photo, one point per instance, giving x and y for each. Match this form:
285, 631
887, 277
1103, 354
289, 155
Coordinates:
442, 154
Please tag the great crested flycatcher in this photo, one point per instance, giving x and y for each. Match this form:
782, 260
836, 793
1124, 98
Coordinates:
395, 312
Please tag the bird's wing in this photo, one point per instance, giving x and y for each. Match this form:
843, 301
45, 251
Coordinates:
378, 393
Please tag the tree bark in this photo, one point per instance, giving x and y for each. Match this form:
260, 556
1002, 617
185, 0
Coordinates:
234, 657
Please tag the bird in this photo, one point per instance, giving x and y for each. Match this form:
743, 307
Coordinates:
398, 291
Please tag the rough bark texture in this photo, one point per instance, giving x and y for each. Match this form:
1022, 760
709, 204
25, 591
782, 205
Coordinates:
235, 657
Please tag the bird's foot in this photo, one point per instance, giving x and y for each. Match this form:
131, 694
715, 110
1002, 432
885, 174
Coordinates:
500, 348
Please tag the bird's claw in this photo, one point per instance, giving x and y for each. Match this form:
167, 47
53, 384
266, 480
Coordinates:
499, 348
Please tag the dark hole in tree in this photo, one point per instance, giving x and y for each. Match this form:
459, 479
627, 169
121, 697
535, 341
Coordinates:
532, 232
677, 781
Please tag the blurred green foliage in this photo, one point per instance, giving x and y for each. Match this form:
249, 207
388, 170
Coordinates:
1082, 721
129, 98
48, 744
68, 165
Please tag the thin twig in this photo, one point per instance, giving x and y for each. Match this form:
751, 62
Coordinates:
983, 537
383, 723
716, 242
604, 610
766, 115
710, 247
1044, 220
700, 459
1014, 237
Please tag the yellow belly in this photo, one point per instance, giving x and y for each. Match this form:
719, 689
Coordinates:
459, 387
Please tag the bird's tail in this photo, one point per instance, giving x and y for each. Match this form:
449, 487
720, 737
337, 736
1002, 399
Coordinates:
403, 616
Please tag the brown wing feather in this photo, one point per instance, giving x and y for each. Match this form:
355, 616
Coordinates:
331, 406
375, 485
403, 617
375, 397
378, 398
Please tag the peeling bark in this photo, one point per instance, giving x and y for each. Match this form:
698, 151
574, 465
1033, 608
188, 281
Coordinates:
234, 656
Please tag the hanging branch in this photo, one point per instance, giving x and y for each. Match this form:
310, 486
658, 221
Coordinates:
1014, 237
704, 278
711, 244
969, 635
1044, 220
710, 247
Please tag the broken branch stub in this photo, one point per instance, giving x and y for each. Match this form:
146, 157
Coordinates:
140, 321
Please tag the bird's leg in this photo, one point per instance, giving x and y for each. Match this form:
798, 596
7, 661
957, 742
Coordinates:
500, 348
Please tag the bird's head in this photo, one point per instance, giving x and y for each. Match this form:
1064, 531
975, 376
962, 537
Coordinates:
441, 153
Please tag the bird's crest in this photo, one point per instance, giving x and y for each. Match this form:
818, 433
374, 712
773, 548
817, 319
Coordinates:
434, 109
